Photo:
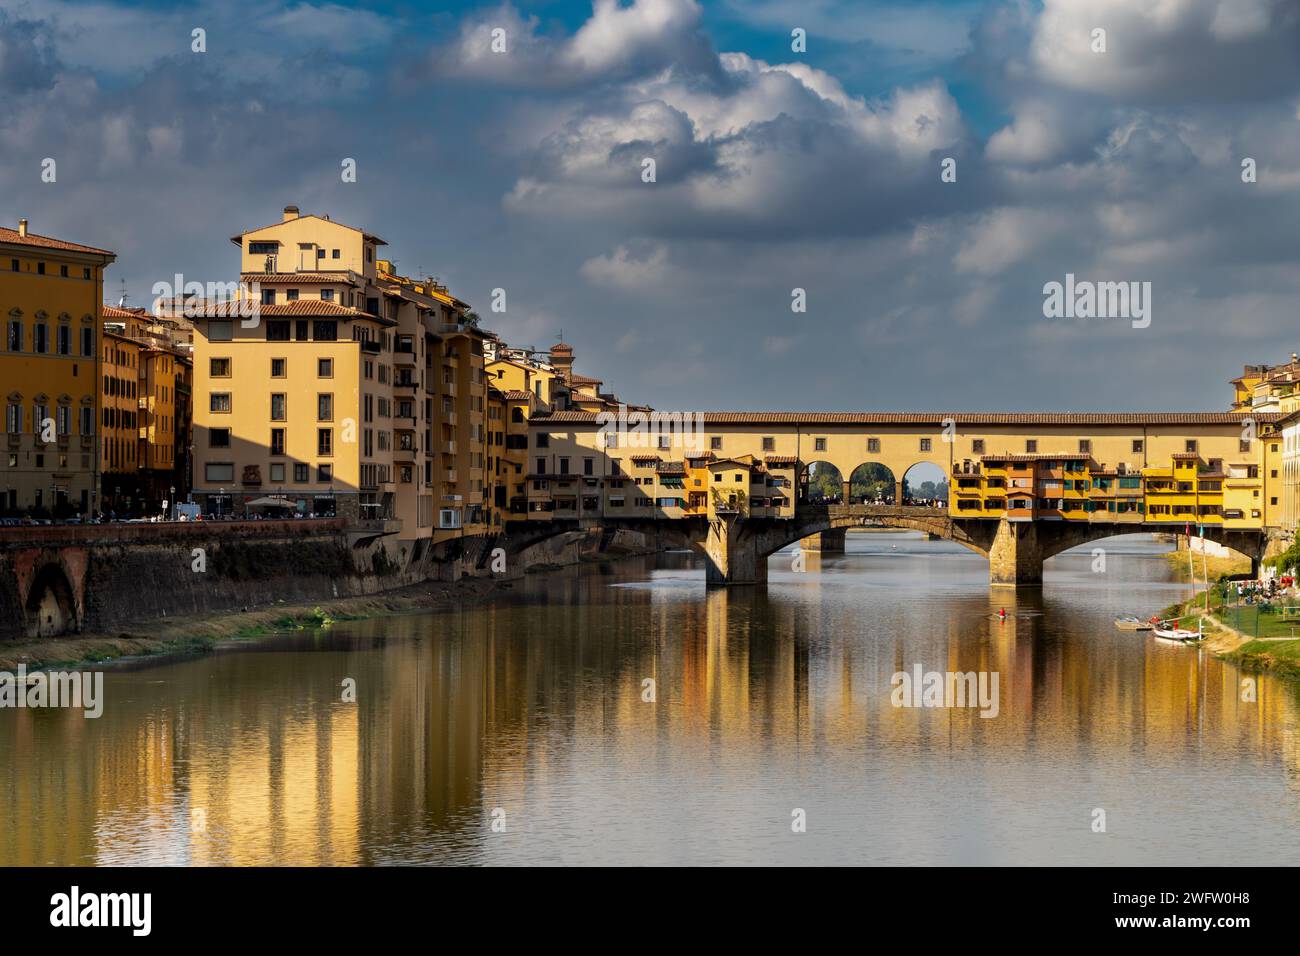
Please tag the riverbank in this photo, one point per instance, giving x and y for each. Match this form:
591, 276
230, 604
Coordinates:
183, 634
1271, 652
1214, 567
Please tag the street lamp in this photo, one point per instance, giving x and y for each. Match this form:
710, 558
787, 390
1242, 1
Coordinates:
220, 498
173, 499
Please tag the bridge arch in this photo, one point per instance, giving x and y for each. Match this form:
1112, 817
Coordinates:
51, 605
871, 482
924, 480
821, 481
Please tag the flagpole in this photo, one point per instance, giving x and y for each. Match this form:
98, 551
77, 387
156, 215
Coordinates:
1205, 570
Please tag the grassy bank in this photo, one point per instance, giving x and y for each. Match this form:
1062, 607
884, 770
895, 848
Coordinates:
1215, 566
1256, 642
197, 635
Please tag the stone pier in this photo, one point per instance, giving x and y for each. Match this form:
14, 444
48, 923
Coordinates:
827, 542
1016, 558
733, 557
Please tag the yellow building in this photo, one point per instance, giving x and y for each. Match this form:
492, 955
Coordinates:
145, 414
335, 385
49, 372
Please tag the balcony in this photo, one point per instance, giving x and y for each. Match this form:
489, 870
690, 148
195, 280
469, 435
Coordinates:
449, 475
404, 423
405, 381
370, 347
449, 448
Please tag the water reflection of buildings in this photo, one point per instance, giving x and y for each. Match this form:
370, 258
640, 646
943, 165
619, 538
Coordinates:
253, 757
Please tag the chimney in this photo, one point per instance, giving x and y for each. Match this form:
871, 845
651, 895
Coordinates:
22, 227
1294, 358
290, 213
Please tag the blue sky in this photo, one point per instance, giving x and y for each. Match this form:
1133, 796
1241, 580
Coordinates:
776, 170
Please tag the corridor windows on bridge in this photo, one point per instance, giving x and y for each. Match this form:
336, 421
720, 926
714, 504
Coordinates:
819, 444
715, 443
1137, 446
925, 444
1190, 446
769, 444
1085, 446
1031, 446
977, 446
873, 446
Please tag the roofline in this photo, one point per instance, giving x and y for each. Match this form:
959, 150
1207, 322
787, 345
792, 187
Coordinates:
942, 418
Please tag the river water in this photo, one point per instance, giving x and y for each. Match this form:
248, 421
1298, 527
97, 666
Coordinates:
519, 732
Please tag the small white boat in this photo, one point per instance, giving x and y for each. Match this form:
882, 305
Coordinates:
1167, 631
1128, 622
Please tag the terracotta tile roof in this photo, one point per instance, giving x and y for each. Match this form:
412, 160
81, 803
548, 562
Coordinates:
645, 457
937, 419
700, 456
781, 461
671, 468
302, 308
45, 242
517, 395
1185, 456
121, 315
294, 278
585, 380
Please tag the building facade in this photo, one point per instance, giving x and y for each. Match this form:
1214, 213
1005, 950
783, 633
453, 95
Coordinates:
50, 292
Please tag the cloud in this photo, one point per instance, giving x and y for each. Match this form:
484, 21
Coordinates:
627, 270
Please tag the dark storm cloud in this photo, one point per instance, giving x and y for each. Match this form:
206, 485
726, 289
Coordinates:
523, 171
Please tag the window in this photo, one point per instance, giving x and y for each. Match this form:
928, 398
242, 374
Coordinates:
65, 340
277, 406
819, 444
220, 331
301, 330
15, 335
277, 472
325, 368
14, 419
1085, 446
873, 445
87, 342
716, 443
277, 331
219, 471
1243, 445
543, 440
769, 444
327, 295
63, 271
219, 367
325, 331
219, 403
85, 273
87, 421
218, 437
268, 297
925, 444
263, 248
1190, 446
325, 472
277, 441
334, 254
325, 407
40, 338
291, 295
40, 268
277, 368
324, 441
564, 466
300, 474
1031, 446
541, 466
977, 446
13, 265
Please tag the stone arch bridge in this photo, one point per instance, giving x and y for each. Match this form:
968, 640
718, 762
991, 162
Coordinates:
737, 548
